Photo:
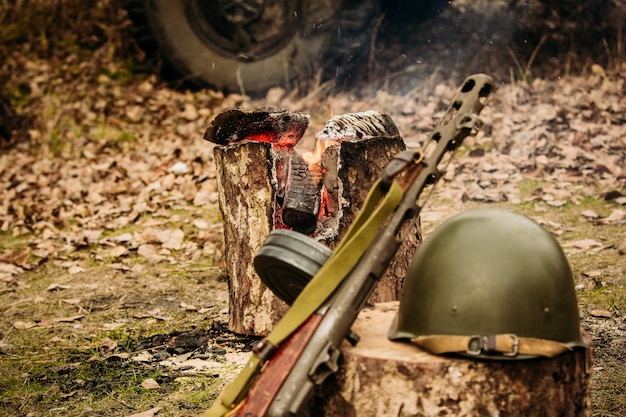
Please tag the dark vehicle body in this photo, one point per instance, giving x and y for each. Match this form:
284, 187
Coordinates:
253, 45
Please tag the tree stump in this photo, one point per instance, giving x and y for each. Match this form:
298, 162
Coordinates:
379, 378
254, 195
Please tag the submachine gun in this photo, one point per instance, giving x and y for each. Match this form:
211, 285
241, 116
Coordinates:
303, 349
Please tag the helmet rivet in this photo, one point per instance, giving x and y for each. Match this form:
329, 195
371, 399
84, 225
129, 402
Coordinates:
454, 308
546, 310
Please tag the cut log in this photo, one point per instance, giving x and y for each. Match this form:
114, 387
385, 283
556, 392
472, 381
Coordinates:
356, 165
246, 199
249, 186
379, 378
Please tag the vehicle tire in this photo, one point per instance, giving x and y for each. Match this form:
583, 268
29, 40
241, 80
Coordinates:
237, 45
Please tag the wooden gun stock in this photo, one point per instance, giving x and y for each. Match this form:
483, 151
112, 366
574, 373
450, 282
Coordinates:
267, 385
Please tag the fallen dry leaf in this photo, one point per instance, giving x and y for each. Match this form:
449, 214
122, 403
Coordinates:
65, 367
18, 256
179, 168
190, 112
188, 307
605, 314
148, 413
134, 113
67, 319
23, 325
57, 287
107, 346
5, 347
616, 216
117, 251
143, 356
583, 244
69, 394
150, 383
10, 268
147, 250
200, 224
124, 237
75, 269
589, 214
113, 326
172, 239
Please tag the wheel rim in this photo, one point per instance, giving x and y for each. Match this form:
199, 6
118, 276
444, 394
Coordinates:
246, 30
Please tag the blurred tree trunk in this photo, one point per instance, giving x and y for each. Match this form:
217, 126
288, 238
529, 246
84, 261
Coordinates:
9, 121
550, 30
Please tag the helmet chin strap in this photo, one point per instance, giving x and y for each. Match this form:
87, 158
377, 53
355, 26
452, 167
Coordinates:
503, 345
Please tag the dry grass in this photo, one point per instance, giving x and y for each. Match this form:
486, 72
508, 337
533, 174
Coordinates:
565, 28
57, 27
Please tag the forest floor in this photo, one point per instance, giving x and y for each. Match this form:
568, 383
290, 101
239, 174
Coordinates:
113, 294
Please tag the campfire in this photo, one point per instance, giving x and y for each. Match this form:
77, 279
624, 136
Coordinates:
306, 194
273, 174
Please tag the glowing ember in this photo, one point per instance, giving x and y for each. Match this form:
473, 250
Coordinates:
267, 137
280, 128
287, 139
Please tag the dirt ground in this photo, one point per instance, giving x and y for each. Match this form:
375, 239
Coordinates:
113, 295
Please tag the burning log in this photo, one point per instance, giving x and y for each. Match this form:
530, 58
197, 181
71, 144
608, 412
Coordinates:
264, 125
268, 179
301, 202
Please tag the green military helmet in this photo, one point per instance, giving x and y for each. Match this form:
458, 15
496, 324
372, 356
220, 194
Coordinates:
491, 283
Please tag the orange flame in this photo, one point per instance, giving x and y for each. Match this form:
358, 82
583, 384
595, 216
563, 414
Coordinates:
326, 204
313, 155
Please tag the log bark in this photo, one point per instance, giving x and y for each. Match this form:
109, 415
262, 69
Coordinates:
380, 378
246, 198
247, 195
